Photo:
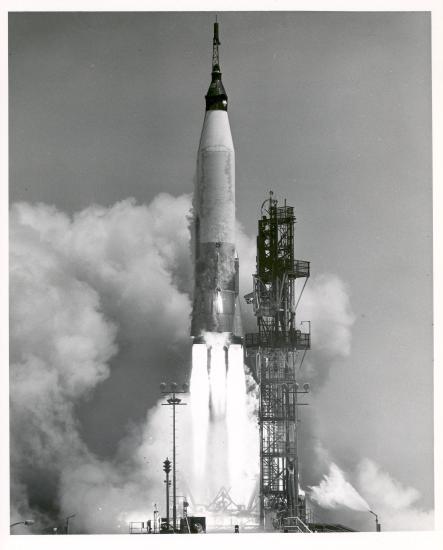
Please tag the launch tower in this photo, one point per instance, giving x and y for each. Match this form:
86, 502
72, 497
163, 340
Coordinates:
276, 353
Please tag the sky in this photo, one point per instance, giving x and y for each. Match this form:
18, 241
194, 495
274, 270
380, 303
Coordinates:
331, 111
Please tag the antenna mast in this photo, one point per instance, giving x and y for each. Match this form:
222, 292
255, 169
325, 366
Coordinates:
215, 45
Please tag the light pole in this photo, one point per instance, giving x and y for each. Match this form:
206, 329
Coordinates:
23, 522
173, 401
67, 523
167, 469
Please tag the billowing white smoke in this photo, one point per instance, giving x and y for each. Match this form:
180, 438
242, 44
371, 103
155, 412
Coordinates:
327, 304
80, 289
246, 249
95, 294
333, 490
394, 503
85, 291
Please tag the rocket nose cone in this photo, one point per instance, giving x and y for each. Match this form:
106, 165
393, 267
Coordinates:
216, 98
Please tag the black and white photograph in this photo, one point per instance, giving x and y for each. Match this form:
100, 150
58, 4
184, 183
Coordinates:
221, 304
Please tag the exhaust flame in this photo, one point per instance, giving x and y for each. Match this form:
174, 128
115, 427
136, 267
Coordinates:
199, 405
220, 419
236, 412
217, 380
219, 302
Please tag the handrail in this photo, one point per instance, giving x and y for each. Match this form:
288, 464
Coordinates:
298, 523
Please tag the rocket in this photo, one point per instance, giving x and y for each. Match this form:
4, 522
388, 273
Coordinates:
216, 304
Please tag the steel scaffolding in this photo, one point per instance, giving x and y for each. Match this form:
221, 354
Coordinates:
275, 354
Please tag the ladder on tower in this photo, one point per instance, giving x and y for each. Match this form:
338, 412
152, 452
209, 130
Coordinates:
294, 525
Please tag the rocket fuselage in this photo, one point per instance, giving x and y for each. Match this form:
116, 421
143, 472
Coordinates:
216, 264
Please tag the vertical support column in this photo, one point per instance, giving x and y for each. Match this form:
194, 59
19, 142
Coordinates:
260, 405
167, 498
174, 495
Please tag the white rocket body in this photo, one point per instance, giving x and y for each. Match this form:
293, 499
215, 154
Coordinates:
216, 180
216, 304
218, 380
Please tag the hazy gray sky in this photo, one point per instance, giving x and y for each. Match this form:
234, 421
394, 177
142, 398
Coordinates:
330, 110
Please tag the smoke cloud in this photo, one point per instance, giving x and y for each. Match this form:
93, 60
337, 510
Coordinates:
334, 491
88, 293
246, 248
395, 504
326, 303
99, 316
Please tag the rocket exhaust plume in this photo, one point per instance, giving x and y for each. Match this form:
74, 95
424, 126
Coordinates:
199, 405
236, 412
218, 387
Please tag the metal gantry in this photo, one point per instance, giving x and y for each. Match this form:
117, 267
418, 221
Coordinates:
276, 353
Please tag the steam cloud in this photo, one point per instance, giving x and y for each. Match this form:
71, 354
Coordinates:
104, 296
334, 491
394, 503
82, 288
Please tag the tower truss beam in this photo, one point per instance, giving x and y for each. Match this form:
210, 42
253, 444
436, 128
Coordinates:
275, 353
